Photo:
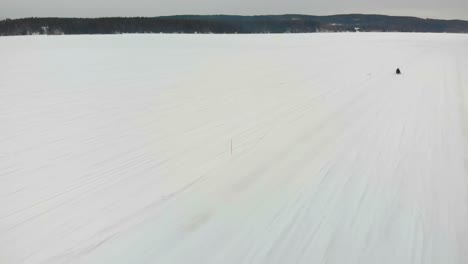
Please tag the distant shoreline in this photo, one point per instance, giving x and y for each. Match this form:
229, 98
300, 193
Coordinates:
229, 24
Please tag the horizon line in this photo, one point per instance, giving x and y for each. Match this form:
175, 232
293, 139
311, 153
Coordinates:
221, 14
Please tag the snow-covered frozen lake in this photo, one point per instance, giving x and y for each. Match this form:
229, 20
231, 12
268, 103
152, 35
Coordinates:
117, 149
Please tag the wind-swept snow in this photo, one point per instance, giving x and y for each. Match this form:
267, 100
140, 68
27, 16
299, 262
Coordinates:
117, 149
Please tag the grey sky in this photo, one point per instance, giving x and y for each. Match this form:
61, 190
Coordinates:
445, 9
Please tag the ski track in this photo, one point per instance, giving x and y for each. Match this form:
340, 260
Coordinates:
116, 149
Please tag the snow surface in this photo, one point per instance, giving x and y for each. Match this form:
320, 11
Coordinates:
117, 149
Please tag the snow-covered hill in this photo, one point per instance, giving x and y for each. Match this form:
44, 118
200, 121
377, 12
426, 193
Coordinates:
117, 149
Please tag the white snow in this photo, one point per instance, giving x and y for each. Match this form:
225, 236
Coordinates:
117, 149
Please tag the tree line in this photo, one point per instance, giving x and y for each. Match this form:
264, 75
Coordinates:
227, 24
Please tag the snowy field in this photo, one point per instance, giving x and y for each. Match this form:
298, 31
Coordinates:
117, 149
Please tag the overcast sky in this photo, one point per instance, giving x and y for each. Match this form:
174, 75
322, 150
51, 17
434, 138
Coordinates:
445, 9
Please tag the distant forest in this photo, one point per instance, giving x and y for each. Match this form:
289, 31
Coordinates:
219, 24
